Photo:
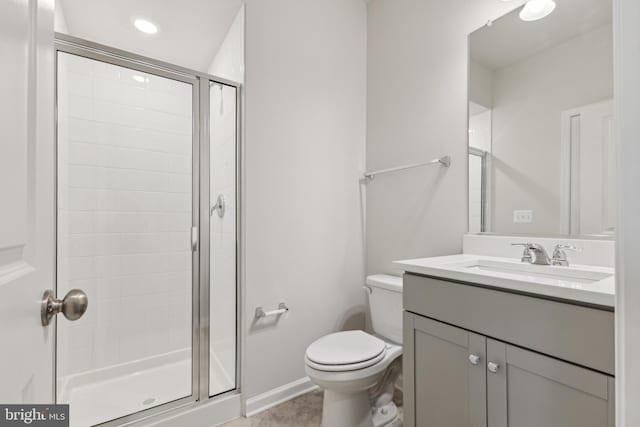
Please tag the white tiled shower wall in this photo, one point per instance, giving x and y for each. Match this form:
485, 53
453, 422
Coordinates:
124, 213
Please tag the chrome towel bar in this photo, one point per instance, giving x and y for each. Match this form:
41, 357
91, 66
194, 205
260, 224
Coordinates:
444, 161
282, 308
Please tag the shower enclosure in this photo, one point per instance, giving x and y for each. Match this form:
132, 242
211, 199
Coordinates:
147, 227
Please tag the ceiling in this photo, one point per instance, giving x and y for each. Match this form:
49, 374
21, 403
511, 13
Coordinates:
509, 39
191, 31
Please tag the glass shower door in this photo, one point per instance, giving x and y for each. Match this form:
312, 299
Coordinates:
125, 210
223, 137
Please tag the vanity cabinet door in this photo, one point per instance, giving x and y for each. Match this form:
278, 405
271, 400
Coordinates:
444, 375
527, 389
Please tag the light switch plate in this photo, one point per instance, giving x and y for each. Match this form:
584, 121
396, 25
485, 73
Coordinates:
523, 217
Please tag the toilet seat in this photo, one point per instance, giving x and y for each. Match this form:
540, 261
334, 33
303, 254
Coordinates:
345, 351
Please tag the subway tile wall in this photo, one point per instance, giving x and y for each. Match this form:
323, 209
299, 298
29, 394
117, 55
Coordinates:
124, 213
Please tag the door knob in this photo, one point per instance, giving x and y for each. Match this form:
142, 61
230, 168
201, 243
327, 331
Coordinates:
73, 306
493, 367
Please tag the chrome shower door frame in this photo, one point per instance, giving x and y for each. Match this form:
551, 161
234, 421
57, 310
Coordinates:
200, 213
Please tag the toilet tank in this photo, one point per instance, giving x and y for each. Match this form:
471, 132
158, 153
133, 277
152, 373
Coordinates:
385, 305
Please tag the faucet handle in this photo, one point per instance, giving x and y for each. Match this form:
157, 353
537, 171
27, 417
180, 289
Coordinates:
526, 254
560, 247
560, 256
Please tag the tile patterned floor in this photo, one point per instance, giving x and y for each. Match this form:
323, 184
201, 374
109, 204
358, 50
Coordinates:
303, 411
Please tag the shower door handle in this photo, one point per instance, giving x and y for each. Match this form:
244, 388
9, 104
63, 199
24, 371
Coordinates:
73, 305
220, 206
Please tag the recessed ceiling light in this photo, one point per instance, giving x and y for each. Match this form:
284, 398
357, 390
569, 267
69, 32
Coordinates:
537, 9
139, 79
144, 25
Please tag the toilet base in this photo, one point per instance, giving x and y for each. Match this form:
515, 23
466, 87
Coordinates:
354, 410
386, 416
346, 409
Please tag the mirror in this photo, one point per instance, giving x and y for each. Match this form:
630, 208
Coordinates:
541, 152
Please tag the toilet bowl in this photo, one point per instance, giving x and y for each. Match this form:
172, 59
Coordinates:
358, 370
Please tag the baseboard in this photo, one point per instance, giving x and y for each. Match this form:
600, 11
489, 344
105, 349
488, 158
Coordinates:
278, 395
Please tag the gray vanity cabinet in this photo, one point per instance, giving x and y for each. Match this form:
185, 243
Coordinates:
447, 389
462, 369
528, 389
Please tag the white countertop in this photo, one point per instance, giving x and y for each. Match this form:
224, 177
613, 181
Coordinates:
579, 283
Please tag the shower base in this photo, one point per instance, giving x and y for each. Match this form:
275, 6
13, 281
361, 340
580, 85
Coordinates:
102, 395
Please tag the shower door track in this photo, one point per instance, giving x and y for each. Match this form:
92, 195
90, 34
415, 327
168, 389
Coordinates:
200, 216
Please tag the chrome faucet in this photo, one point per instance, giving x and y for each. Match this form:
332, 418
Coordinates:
560, 256
534, 253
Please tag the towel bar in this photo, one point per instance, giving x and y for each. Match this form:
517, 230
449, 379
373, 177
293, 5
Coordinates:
282, 308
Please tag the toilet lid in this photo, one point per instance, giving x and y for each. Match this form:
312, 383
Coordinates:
345, 348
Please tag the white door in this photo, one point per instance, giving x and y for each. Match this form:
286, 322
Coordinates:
26, 199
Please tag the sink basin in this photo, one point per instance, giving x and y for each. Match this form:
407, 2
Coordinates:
580, 283
564, 275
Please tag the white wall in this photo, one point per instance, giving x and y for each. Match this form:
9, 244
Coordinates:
480, 84
304, 155
229, 60
124, 212
59, 20
627, 111
528, 100
417, 110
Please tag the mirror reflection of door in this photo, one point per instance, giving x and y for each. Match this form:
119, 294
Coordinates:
588, 164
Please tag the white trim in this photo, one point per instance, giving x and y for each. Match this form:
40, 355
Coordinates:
626, 61
277, 396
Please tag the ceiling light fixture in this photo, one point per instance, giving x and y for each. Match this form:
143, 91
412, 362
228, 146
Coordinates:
537, 9
139, 79
144, 25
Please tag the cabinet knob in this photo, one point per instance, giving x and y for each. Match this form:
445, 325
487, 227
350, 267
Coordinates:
474, 359
493, 367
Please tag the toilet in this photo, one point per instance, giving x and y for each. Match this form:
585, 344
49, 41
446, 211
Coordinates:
358, 370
